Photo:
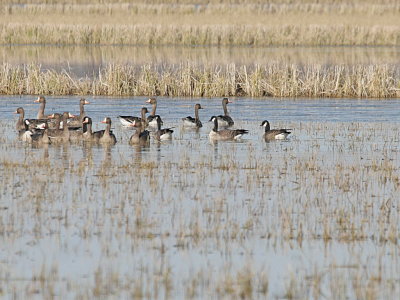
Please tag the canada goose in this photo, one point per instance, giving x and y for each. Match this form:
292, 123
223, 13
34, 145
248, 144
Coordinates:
128, 120
26, 133
76, 121
193, 122
162, 134
141, 136
152, 120
42, 137
274, 134
224, 120
107, 137
225, 134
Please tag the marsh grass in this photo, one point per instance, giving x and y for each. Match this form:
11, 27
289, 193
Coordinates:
276, 80
309, 23
192, 35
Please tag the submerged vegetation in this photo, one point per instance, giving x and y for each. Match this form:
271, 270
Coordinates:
276, 80
251, 23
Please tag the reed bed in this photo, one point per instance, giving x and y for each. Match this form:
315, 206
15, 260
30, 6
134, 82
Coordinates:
250, 23
190, 35
274, 80
209, 8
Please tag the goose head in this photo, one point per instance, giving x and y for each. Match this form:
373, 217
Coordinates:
19, 110
40, 99
87, 120
83, 101
107, 121
152, 100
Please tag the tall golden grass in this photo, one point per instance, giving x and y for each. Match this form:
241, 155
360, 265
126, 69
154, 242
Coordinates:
209, 7
276, 80
225, 35
258, 23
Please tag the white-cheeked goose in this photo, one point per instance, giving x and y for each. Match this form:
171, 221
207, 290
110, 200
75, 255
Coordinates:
225, 134
274, 134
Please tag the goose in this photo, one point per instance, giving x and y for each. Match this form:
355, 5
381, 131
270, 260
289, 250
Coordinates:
26, 133
32, 123
128, 120
42, 101
193, 122
61, 135
224, 120
76, 121
162, 134
88, 134
20, 122
55, 124
107, 137
141, 136
42, 137
274, 134
152, 120
226, 134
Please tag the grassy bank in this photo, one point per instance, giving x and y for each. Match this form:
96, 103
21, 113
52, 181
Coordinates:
254, 23
276, 80
224, 35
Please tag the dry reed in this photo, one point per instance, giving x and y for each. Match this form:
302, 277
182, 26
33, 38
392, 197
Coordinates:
221, 35
275, 80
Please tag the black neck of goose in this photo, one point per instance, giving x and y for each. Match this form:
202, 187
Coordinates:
215, 125
158, 123
267, 127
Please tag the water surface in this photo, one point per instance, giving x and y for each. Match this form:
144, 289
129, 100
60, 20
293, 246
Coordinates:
314, 216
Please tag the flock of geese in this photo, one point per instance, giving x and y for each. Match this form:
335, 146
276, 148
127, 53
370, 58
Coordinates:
65, 127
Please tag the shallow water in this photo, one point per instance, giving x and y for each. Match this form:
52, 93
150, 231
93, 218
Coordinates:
314, 216
84, 60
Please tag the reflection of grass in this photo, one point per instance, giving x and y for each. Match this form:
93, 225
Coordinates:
251, 23
277, 80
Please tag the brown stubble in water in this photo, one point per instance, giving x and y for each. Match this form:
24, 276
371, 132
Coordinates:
332, 186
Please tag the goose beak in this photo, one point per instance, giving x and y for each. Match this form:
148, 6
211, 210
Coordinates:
104, 121
15, 112
51, 116
86, 102
37, 100
148, 101
71, 116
